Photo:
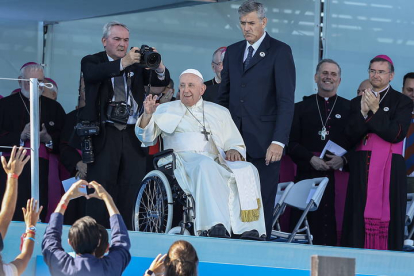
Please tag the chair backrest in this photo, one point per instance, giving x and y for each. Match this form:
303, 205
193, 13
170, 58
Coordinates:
410, 209
306, 190
282, 191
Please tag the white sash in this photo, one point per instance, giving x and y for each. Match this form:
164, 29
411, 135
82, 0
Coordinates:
189, 141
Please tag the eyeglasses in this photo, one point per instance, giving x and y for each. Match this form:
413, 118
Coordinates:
379, 72
218, 63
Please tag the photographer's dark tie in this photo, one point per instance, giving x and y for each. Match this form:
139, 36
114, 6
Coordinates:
249, 57
119, 89
120, 95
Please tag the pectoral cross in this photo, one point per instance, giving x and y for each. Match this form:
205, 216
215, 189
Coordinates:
323, 133
205, 132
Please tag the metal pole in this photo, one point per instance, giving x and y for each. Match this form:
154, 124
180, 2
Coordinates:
34, 137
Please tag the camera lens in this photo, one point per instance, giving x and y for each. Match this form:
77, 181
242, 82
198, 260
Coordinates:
152, 59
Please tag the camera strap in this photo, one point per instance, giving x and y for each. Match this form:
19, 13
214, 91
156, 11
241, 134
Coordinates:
129, 74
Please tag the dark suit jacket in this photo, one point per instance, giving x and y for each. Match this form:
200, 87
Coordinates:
261, 98
97, 72
211, 92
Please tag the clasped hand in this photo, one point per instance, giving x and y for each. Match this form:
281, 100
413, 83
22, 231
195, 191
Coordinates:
369, 102
44, 135
334, 163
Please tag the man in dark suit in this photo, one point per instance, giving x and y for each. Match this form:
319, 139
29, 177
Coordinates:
258, 85
114, 78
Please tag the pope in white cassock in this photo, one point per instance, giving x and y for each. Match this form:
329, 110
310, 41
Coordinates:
210, 153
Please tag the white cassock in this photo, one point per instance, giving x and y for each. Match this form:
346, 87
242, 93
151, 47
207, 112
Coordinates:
201, 168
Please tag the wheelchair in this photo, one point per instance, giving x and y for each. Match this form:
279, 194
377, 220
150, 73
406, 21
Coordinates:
160, 199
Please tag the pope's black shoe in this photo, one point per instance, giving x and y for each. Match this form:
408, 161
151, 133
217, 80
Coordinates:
251, 235
218, 231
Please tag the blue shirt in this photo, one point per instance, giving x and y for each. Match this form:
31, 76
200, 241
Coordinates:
61, 263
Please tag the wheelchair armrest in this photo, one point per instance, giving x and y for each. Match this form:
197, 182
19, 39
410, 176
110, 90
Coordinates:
164, 154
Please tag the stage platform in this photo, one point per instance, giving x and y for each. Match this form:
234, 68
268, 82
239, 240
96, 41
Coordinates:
224, 257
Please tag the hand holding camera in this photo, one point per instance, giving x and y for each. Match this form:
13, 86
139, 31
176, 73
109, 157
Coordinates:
133, 56
145, 56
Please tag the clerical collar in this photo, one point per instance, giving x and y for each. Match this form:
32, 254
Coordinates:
255, 45
385, 89
326, 98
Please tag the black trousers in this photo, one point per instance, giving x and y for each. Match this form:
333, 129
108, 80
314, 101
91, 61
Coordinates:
24, 188
269, 178
119, 167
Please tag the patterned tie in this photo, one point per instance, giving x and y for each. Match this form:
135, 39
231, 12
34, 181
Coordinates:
249, 57
119, 89
120, 95
409, 148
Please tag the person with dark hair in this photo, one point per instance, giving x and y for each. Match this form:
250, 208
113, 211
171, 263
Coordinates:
319, 118
13, 169
165, 94
86, 239
258, 87
181, 260
114, 91
103, 246
408, 90
377, 189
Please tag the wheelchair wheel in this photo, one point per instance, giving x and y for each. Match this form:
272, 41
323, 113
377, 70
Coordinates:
154, 204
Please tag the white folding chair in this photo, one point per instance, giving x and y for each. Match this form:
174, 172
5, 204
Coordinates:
408, 242
306, 196
282, 191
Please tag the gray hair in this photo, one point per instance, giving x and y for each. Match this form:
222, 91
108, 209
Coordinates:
108, 26
29, 68
222, 50
252, 6
327, 60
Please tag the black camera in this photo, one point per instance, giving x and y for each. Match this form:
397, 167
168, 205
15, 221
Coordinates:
149, 58
85, 130
118, 112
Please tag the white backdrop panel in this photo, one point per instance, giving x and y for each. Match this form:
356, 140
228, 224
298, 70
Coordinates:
19, 43
357, 31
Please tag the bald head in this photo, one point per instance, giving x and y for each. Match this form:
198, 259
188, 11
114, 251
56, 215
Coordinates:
364, 85
33, 70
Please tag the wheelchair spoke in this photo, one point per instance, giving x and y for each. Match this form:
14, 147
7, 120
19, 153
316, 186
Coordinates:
151, 209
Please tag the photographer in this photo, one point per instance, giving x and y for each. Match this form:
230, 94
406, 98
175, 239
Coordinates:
114, 88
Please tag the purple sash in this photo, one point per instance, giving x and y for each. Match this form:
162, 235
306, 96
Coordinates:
377, 208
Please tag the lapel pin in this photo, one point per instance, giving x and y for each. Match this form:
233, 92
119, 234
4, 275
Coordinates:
338, 116
386, 109
131, 74
51, 123
262, 54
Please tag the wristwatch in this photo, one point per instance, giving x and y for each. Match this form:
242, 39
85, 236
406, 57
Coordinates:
31, 228
149, 272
